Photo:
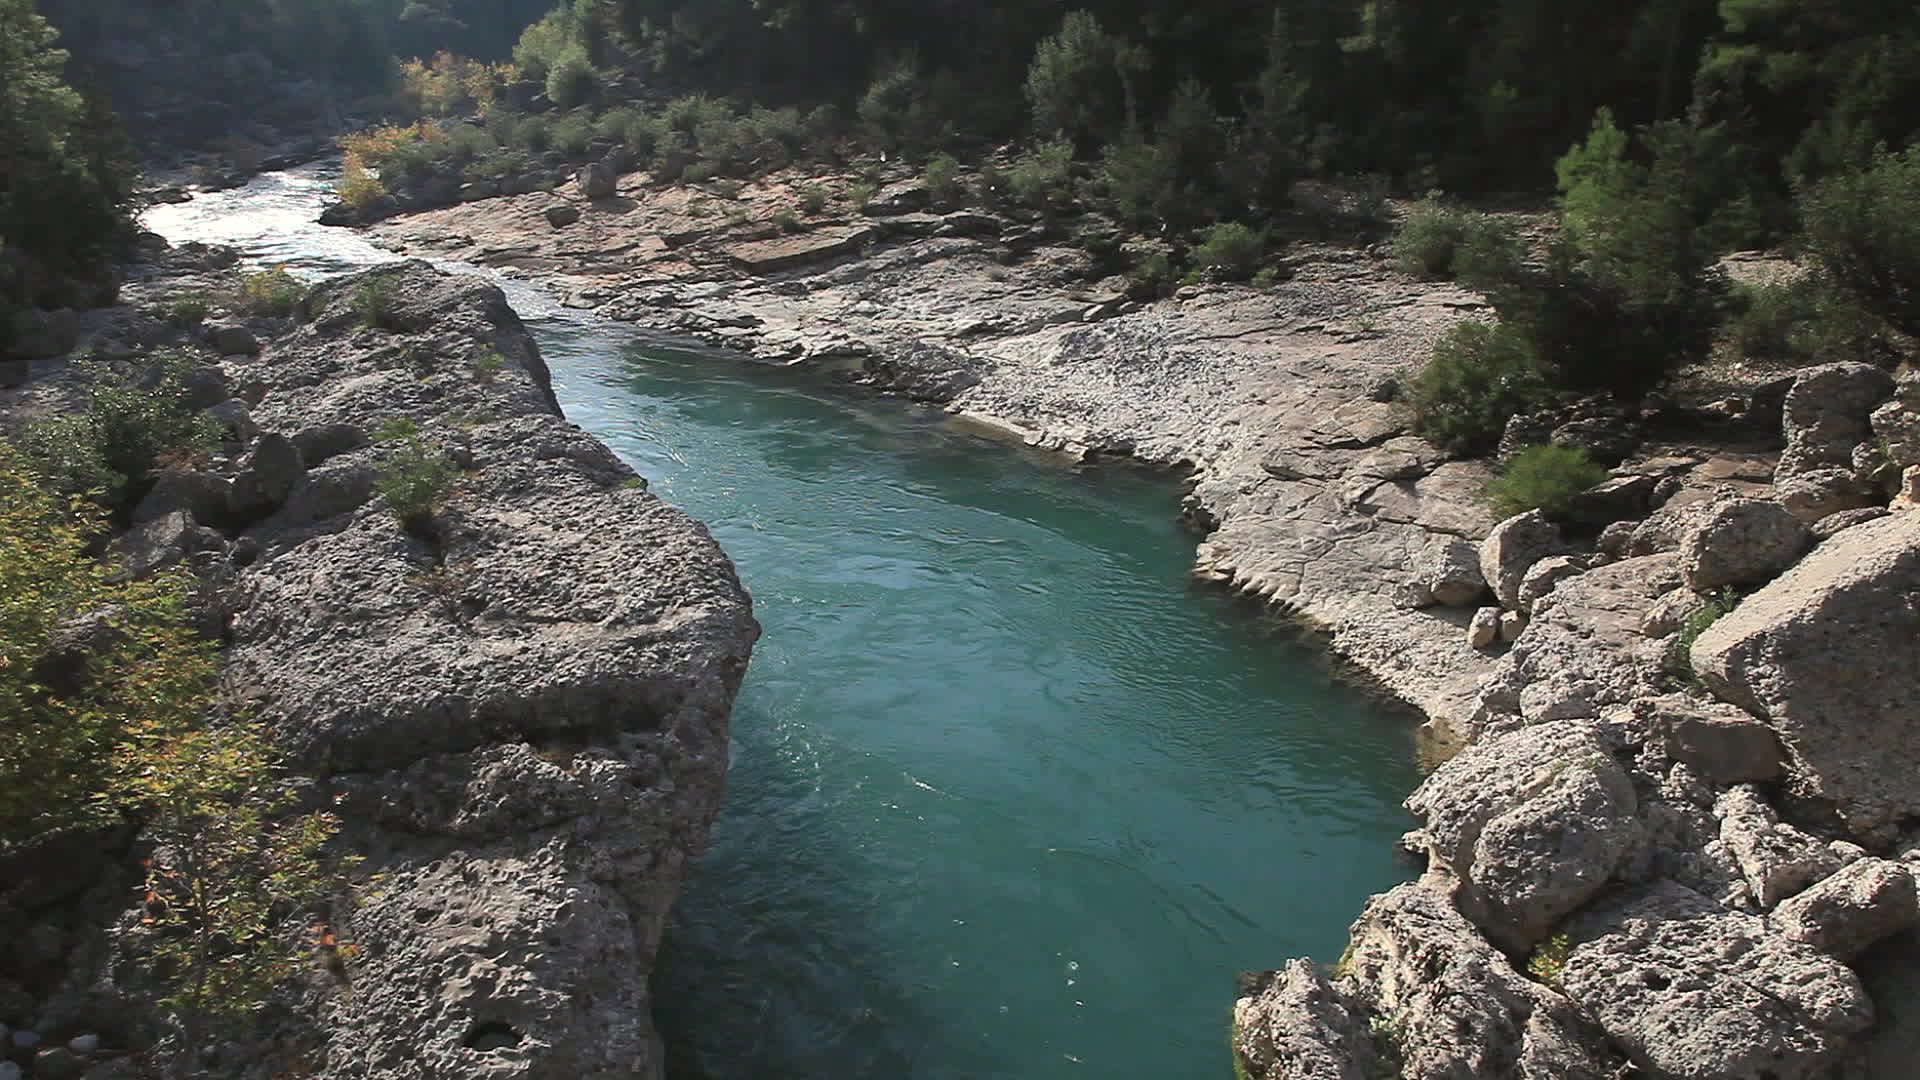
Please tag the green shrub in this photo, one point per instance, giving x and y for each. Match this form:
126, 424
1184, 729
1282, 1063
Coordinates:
487, 366
572, 81
1151, 276
1545, 478
109, 447
573, 133
1863, 232
1138, 181
1680, 651
861, 194
813, 199
1230, 252
726, 188
1549, 959
786, 221
189, 308
1438, 241
414, 479
377, 301
1043, 176
127, 734
1480, 375
1768, 322
943, 180
272, 291
469, 142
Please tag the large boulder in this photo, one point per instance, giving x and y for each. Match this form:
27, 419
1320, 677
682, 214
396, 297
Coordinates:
267, 477
1527, 827
1293, 1025
1452, 1005
1543, 576
597, 181
1690, 989
1450, 572
1866, 902
1741, 542
1826, 655
1828, 411
1717, 741
1511, 550
1818, 493
1777, 859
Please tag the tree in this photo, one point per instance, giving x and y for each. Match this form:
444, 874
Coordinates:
1083, 82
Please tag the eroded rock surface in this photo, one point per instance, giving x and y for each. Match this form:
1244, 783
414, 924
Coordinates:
1825, 654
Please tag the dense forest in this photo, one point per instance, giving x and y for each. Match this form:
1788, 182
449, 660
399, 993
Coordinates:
1171, 140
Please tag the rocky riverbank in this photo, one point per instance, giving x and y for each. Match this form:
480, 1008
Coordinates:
520, 719
1666, 849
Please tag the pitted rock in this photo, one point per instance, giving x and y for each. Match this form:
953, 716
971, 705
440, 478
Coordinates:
1861, 904
1690, 989
1529, 826
1741, 542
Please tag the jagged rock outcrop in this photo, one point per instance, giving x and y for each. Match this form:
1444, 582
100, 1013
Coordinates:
1524, 828
1293, 1025
1690, 989
1512, 549
1740, 542
516, 705
1864, 903
1825, 655
1828, 412
1448, 1004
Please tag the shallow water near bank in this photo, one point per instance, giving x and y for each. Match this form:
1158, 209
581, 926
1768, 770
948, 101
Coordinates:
1010, 797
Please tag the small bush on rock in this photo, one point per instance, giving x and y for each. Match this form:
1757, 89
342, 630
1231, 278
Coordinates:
377, 302
943, 180
108, 448
188, 309
1230, 252
415, 479
271, 292
1043, 176
1543, 478
813, 199
1480, 375
487, 366
1438, 241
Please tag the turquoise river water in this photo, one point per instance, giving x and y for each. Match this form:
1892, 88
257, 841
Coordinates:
1010, 798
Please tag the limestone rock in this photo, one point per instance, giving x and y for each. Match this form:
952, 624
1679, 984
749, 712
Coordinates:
1511, 550
1826, 654
1896, 424
561, 215
1777, 859
202, 495
235, 420
1690, 989
1531, 825
1741, 542
787, 252
231, 339
1451, 574
1863, 903
1297, 1027
1832, 524
1615, 499
1582, 647
1908, 496
902, 197
1541, 578
1827, 412
597, 181
1484, 630
1670, 612
528, 745
267, 476
1666, 527
1817, 493
1454, 1006
320, 442
1721, 743
1512, 625
163, 542
1613, 539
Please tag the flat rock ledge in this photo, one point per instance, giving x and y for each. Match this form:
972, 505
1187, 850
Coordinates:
519, 713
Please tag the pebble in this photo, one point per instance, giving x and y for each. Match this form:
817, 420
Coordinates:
84, 1044
26, 1040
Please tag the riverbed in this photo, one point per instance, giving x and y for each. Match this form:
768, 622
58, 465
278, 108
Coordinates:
1010, 796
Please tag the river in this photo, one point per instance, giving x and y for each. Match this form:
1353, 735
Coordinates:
1010, 797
